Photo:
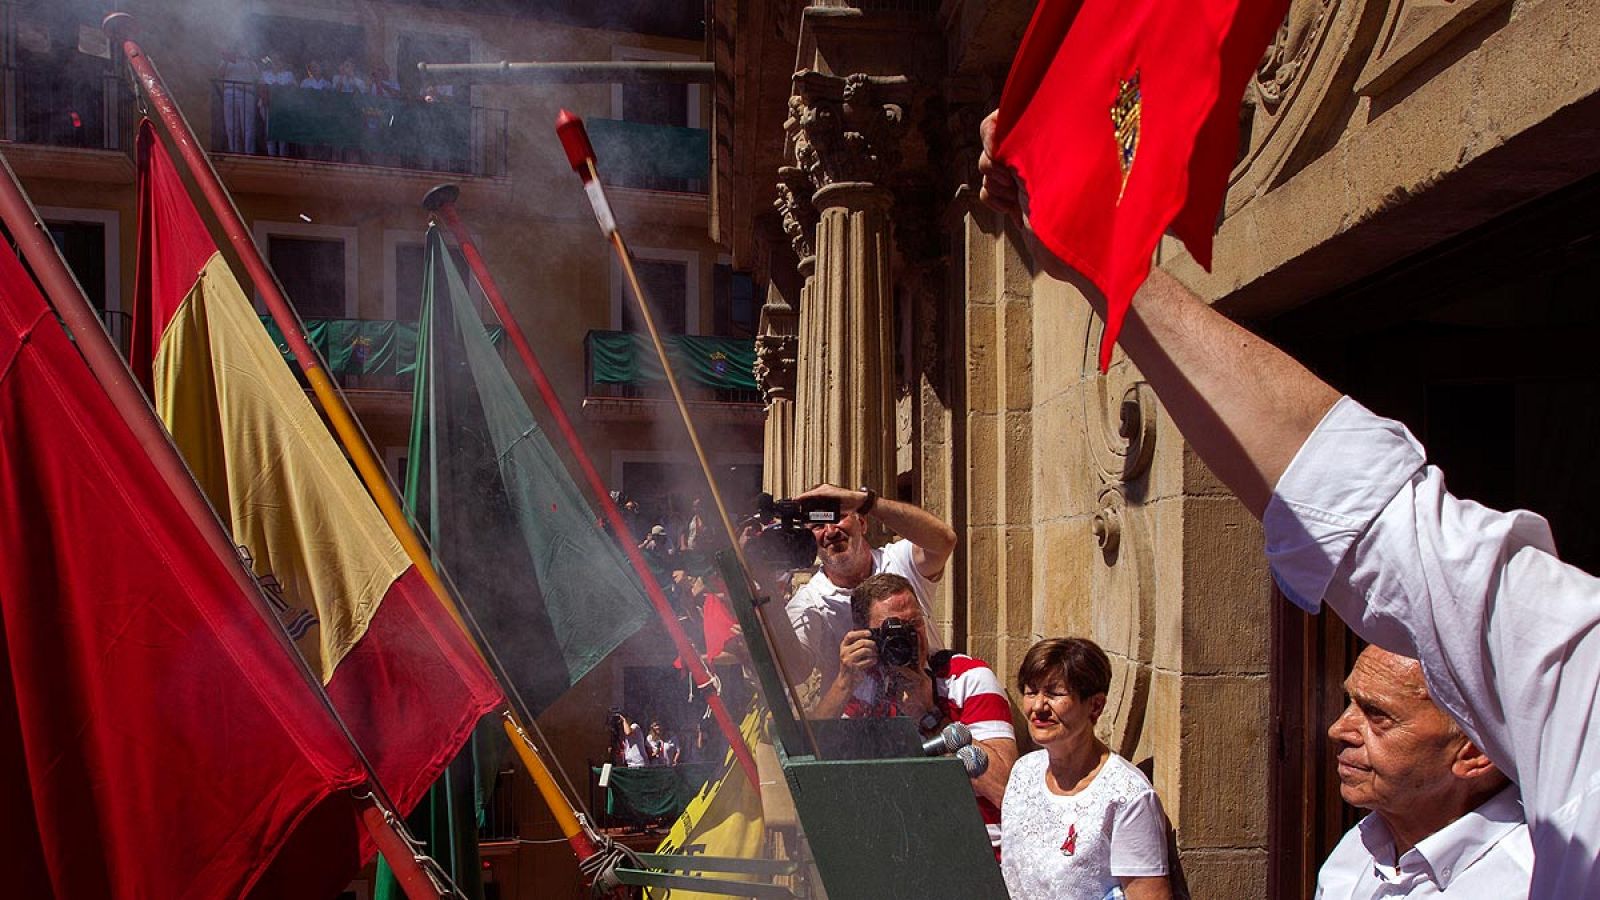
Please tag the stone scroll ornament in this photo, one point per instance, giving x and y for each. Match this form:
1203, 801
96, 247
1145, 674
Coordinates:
1121, 117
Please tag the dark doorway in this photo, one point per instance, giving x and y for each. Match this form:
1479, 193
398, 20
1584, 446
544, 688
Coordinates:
312, 272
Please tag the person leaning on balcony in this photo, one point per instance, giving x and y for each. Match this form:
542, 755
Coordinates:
1077, 819
1443, 822
819, 612
1507, 634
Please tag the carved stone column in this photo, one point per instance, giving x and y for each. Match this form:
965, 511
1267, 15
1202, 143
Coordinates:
842, 135
799, 221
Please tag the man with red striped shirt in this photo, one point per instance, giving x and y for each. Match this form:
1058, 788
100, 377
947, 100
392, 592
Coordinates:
953, 688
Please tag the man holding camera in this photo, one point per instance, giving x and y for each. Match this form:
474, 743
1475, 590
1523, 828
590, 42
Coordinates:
820, 610
885, 670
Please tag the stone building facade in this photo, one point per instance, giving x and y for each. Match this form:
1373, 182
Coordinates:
1412, 213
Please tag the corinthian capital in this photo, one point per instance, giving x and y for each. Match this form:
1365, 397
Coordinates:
846, 129
795, 212
775, 366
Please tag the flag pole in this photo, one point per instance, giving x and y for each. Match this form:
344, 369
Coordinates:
109, 369
119, 26
580, 154
441, 202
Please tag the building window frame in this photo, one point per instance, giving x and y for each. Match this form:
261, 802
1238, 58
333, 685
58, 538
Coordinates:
393, 240
691, 284
696, 92
111, 221
262, 230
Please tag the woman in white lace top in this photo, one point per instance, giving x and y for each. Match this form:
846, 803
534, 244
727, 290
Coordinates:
1078, 822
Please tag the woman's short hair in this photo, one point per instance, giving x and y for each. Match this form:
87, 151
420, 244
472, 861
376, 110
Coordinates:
879, 587
1077, 661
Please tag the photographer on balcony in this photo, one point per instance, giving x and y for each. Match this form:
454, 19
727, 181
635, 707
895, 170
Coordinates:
886, 669
820, 610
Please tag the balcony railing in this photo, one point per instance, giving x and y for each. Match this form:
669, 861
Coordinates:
652, 157
366, 354
624, 365
57, 109
290, 122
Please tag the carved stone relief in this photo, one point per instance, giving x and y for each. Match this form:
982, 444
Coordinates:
1299, 95
846, 129
1413, 30
776, 357
795, 213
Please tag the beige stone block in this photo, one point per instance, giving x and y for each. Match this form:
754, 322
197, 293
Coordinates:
1013, 268
983, 474
1017, 576
983, 578
983, 360
1166, 520
1064, 557
1224, 874
1017, 340
1058, 338
1225, 747
1225, 579
980, 288
1160, 738
1017, 481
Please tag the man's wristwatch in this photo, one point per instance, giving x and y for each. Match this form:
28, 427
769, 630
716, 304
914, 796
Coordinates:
867, 504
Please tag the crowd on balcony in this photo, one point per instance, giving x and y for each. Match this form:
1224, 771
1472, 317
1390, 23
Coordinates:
268, 108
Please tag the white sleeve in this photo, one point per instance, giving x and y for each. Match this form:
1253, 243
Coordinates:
810, 630
985, 711
1506, 632
1139, 838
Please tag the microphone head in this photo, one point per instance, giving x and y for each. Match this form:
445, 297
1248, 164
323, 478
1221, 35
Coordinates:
974, 760
956, 736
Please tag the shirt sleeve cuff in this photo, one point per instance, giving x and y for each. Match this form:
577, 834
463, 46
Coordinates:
1345, 473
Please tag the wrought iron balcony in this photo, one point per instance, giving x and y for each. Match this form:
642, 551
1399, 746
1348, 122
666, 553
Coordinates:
289, 122
51, 108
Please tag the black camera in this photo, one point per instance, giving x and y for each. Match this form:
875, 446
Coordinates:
897, 642
784, 540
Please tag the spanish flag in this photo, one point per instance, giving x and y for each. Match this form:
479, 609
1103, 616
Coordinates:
399, 671
1121, 117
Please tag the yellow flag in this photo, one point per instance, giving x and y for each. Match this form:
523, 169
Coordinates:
724, 819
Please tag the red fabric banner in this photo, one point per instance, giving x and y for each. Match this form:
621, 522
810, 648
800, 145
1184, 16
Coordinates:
155, 739
1121, 117
403, 677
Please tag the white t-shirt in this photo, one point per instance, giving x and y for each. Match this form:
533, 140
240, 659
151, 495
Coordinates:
662, 751
1114, 828
820, 612
634, 753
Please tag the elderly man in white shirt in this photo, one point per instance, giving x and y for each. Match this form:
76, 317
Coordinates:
1444, 820
1507, 634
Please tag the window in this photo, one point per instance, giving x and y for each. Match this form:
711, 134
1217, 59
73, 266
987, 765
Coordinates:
312, 271
409, 262
83, 246
415, 47
734, 311
666, 285
59, 93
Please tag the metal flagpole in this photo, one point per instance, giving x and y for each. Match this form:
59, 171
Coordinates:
67, 298
118, 26
441, 201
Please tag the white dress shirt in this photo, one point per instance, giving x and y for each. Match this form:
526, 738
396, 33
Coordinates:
1508, 635
1485, 853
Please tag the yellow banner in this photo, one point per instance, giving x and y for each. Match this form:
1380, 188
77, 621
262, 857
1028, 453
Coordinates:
270, 467
724, 819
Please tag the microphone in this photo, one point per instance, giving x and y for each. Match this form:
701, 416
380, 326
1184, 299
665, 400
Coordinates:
949, 739
974, 760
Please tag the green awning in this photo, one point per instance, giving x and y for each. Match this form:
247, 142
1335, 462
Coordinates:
621, 357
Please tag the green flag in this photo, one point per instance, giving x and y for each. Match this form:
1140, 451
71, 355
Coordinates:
549, 588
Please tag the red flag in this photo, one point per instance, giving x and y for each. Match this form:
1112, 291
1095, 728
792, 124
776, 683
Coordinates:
400, 672
155, 739
1121, 117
